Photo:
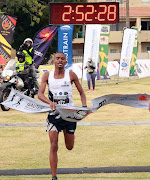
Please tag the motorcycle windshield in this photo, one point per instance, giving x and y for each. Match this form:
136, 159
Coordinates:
9, 68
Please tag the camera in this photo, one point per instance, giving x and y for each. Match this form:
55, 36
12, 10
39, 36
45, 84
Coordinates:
24, 47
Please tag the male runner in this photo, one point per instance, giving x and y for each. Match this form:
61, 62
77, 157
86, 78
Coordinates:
60, 92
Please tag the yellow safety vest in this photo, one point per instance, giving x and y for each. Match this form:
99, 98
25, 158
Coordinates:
20, 66
27, 56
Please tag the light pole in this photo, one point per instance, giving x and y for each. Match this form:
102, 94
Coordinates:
127, 14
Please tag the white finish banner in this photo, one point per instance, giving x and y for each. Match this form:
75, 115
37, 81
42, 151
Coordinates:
142, 67
91, 45
126, 52
20, 102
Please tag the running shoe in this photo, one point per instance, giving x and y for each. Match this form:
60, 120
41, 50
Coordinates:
54, 178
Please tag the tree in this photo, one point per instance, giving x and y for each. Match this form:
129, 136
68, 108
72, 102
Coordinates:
31, 7
29, 14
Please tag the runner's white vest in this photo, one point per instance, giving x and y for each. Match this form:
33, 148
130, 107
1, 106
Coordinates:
60, 90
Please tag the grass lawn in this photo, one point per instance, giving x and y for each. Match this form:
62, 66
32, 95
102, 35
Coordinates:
95, 146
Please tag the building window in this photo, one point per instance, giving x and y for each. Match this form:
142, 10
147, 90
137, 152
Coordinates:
145, 1
80, 34
77, 52
113, 27
145, 25
117, 27
148, 25
148, 48
113, 50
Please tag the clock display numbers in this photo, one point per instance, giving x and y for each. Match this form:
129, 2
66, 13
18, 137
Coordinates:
84, 13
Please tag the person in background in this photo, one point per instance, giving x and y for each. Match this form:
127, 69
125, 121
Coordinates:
59, 84
27, 49
23, 69
91, 74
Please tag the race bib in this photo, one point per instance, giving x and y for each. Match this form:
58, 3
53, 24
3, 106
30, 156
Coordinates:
61, 98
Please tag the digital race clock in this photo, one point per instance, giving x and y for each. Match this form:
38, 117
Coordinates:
84, 13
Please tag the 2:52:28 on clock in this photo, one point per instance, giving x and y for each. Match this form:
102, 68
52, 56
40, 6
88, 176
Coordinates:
84, 13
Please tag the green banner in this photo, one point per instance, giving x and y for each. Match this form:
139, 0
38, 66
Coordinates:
103, 48
134, 53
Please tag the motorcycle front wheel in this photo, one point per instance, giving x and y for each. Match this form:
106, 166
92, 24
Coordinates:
4, 96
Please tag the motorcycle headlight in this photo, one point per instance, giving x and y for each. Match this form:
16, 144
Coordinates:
7, 78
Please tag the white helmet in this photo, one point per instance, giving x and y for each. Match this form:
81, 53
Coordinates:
28, 39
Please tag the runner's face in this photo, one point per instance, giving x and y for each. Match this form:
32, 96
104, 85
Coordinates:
60, 60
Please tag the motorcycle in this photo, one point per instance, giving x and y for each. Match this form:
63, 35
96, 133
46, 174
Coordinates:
9, 80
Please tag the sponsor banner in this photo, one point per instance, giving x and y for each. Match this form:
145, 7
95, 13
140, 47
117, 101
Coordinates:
112, 68
42, 41
45, 68
20, 102
126, 52
91, 45
65, 36
134, 53
7, 28
103, 48
142, 67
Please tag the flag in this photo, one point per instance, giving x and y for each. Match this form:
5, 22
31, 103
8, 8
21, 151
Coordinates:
42, 41
143, 68
65, 36
103, 49
91, 45
126, 52
7, 28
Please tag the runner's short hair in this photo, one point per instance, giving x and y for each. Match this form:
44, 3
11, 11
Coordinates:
58, 53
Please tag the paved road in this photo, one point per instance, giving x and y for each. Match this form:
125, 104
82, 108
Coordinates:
46, 171
79, 124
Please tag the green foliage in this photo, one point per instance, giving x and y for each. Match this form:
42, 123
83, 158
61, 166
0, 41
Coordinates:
62, 1
31, 7
29, 13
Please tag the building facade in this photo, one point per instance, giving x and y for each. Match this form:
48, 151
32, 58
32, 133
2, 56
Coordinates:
139, 16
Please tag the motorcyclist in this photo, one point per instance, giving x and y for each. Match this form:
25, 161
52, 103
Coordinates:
27, 49
23, 69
